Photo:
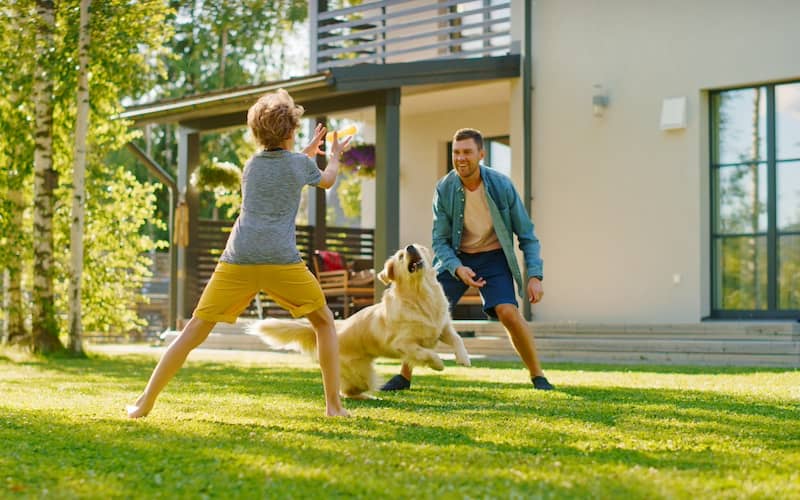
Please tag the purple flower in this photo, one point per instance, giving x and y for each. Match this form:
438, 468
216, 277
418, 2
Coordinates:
360, 158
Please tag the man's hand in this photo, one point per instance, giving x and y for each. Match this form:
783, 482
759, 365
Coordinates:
467, 275
535, 290
313, 148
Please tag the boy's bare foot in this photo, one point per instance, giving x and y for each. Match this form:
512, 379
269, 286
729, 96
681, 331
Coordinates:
139, 409
338, 412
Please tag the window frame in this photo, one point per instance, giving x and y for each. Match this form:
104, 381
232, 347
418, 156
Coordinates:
772, 234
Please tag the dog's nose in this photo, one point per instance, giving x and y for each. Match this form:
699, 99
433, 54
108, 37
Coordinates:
410, 248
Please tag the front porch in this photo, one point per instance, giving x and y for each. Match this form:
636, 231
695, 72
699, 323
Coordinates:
767, 344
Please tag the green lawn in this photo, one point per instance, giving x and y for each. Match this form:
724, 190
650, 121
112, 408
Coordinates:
255, 430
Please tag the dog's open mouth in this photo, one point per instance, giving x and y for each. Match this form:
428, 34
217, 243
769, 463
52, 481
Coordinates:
415, 261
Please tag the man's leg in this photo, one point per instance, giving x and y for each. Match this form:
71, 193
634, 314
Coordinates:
523, 341
399, 382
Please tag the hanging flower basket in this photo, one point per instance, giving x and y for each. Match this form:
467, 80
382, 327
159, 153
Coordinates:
360, 160
217, 175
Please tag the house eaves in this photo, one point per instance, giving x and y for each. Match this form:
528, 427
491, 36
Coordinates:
219, 102
365, 77
337, 89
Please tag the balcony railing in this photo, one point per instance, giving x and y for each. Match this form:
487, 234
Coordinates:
390, 31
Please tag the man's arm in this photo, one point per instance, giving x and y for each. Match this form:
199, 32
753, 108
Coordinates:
522, 225
443, 234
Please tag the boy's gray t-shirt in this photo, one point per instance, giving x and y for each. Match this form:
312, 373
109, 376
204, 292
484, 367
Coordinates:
264, 232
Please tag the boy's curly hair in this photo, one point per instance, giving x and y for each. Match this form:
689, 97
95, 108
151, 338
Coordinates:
274, 118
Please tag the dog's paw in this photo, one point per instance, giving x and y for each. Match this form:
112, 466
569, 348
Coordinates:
464, 361
360, 397
436, 364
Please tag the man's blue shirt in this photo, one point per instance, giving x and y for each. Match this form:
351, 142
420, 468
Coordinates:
508, 216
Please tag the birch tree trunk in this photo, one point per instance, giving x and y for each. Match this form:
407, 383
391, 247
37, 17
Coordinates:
79, 184
223, 54
14, 327
44, 325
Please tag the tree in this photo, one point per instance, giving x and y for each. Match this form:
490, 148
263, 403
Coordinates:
126, 52
78, 177
221, 44
127, 46
44, 325
16, 159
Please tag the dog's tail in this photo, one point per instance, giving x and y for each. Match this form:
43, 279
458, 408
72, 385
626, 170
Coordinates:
286, 334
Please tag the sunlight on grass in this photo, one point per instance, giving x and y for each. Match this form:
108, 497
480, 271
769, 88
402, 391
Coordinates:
252, 430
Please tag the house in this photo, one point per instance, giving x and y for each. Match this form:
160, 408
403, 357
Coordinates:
656, 144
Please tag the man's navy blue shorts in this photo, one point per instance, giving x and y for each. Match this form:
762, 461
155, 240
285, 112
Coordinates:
491, 266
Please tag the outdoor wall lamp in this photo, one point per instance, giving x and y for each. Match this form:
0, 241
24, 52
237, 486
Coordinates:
599, 100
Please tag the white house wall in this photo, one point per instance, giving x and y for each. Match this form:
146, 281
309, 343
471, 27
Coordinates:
423, 146
622, 207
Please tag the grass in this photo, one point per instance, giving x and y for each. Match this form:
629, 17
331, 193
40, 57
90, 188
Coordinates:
255, 430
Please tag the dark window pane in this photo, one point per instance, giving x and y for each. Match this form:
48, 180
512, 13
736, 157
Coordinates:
789, 272
742, 199
787, 118
742, 282
740, 125
788, 175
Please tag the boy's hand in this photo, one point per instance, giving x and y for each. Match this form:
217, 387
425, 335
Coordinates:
337, 147
313, 149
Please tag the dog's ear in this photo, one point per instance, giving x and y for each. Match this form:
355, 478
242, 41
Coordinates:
387, 274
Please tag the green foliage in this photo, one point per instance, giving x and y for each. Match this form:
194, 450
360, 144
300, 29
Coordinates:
16, 122
254, 429
217, 175
127, 41
115, 253
349, 192
220, 44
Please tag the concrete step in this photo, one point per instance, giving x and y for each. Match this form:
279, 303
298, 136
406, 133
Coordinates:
730, 352
713, 343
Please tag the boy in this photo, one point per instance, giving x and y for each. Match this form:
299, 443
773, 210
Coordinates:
261, 253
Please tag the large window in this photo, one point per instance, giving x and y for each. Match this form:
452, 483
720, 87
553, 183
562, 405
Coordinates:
755, 169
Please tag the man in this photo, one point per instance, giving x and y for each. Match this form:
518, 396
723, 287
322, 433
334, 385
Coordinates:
476, 213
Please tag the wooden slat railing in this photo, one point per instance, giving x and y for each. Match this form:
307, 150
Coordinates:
388, 31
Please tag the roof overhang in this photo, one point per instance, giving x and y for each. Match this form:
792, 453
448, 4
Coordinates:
338, 89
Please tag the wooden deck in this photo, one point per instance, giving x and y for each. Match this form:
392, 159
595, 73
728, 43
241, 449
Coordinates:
767, 344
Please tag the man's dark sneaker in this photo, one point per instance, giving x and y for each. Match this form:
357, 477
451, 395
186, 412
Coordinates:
542, 384
396, 383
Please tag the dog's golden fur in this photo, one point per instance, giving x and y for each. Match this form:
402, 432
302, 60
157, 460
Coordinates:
406, 324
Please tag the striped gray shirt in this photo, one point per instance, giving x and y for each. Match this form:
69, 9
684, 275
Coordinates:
264, 232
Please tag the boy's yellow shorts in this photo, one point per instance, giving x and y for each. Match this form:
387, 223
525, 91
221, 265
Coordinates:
233, 286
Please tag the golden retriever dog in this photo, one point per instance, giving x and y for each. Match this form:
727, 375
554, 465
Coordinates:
406, 324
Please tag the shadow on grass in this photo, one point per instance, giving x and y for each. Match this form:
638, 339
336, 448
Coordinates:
639, 368
445, 437
365, 457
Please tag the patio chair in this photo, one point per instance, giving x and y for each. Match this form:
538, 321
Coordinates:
344, 288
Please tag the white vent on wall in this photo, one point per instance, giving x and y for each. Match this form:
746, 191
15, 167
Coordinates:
673, 113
